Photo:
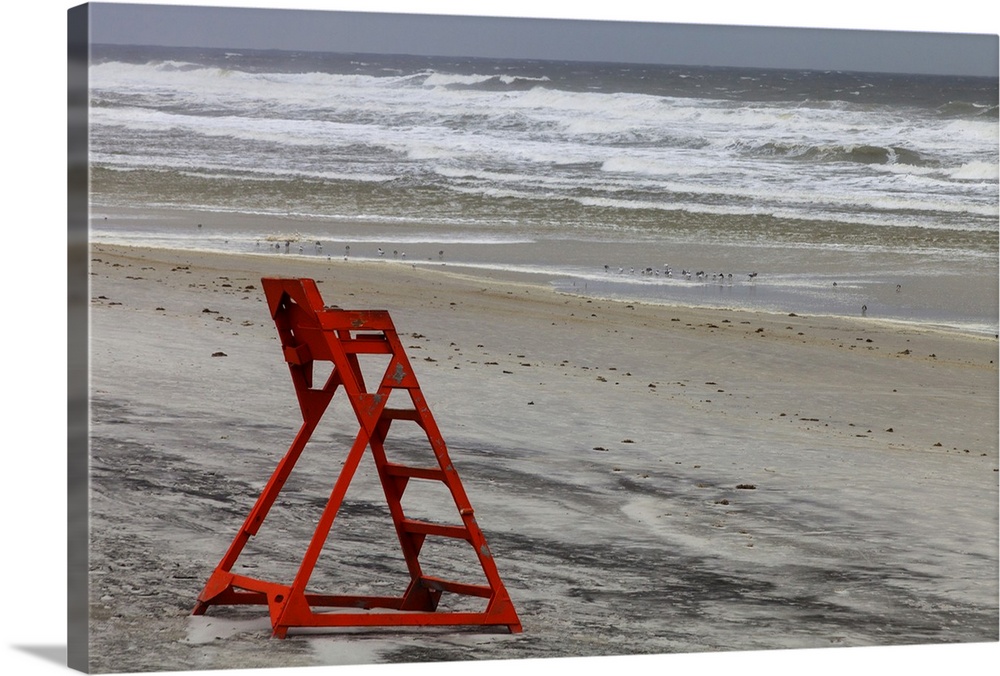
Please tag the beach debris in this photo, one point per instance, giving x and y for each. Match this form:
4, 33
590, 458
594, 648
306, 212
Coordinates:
746, 487
219, 354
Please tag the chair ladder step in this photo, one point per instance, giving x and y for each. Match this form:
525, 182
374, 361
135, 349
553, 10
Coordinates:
427, 528
411, 414
432, 473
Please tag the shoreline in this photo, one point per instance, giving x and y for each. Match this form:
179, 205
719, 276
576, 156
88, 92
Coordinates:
504, 278
542, 281
906, 288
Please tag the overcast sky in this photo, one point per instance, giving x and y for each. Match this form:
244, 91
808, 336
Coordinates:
273, 26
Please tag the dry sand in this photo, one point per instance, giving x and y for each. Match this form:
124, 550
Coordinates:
650, 479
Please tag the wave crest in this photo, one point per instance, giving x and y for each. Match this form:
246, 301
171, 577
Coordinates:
860, 154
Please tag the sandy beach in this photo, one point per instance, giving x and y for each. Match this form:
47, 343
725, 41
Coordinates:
651, 479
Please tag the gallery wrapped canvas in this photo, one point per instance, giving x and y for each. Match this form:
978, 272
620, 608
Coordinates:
704, 317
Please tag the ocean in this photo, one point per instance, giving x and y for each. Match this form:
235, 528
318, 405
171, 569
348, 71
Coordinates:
786, 191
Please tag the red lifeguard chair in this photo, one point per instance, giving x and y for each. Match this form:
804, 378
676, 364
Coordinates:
310, 332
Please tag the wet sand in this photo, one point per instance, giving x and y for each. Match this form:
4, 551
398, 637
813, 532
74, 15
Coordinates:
830, 280
651, 479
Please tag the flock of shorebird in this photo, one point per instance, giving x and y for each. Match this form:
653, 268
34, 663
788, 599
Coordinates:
702, 276
318, 249
667, 271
